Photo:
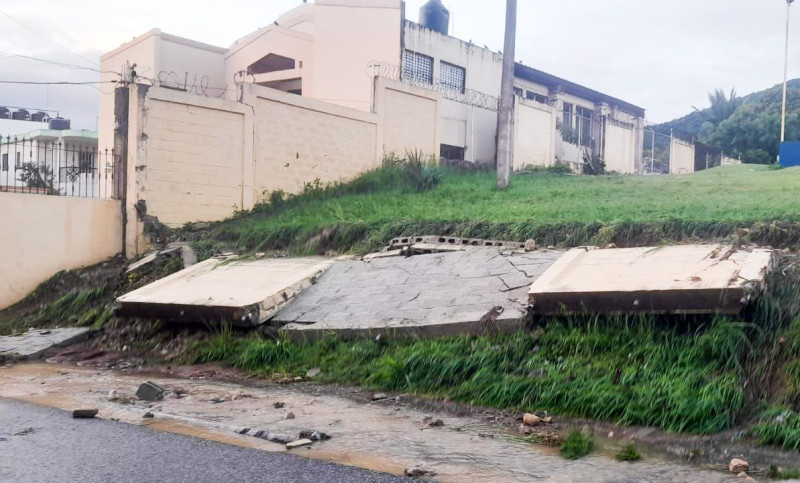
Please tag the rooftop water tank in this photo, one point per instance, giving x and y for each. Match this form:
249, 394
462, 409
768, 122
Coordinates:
59, 124
5, 113
435, 16
39, 116
20, 115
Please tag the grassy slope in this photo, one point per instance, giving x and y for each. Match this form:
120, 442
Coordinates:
555, 209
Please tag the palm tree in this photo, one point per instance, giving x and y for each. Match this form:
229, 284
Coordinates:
722, 106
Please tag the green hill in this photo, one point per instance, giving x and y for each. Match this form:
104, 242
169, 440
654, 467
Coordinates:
748, 126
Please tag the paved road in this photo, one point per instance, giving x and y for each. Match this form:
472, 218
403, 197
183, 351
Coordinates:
62, 449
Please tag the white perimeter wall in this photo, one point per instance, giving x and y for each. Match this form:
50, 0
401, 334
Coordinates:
620, 148
534, 134
46, 234
681, 157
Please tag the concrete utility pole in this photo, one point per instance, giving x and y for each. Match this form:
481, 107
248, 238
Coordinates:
785, 72
505, 116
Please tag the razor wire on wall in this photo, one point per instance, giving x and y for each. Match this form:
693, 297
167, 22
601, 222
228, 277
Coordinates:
465, 96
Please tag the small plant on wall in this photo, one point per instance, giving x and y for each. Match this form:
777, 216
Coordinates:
37, 177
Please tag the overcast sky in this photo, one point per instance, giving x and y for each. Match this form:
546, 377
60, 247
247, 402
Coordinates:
662, 55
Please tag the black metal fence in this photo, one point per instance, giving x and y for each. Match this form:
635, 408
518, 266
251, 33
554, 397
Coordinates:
65, 166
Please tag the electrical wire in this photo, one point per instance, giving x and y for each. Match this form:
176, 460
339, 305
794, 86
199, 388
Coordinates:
56, 63
49, 39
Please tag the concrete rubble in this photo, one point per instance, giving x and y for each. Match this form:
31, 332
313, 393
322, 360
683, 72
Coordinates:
33, 343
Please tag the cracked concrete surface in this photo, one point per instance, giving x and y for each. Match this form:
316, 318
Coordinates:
425, 295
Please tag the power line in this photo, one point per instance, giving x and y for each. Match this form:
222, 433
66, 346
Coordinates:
60, 83
49, 39
56, 63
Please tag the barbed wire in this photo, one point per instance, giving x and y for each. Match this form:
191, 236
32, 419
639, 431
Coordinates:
471, 97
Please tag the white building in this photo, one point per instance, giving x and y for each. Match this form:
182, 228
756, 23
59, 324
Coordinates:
53, 161
332, 50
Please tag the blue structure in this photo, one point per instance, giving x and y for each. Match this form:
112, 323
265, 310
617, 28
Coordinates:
790, 154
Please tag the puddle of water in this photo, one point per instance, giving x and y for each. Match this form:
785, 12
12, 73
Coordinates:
377, 436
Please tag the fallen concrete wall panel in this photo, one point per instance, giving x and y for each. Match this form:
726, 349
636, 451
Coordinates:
686, 279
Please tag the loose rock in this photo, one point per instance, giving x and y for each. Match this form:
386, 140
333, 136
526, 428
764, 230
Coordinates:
24, 432
379, 396
548, 420
432, 423
312, 373
530, 419
314, 435
290, 416
150, 391
530, 245
299, 443
148, 415
418, 472
526, 430
84, 413
738, 466
279, 405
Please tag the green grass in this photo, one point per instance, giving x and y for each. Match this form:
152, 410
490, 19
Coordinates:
629, 453
576, 446
553, 208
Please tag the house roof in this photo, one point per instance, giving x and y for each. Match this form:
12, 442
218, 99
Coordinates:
533, 75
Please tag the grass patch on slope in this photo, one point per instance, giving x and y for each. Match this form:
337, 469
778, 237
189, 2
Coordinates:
550, 207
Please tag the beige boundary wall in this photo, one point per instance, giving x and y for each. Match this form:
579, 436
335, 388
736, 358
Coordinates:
193, 158
620, 147
681, 157
534, 134
46, 234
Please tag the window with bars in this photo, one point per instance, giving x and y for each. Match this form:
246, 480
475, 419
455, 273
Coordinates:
583, 118
85, 162
533, 96
453, 77
5, 162
417, 67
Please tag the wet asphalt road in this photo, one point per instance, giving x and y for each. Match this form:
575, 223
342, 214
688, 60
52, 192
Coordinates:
62, 449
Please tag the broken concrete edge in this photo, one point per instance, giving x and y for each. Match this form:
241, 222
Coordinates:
308, 333
75, 339
454, 241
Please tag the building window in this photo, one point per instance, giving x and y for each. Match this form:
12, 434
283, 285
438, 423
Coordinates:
417, 67
533, 96
453, 77
455, 153
5, 162
583, 127
18, 160
518, 91
568, 111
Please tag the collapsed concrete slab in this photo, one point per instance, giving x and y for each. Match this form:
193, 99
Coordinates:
443, 294
685, 279
33, 343
242, 292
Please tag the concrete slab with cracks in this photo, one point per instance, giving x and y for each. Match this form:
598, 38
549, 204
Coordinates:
442, 294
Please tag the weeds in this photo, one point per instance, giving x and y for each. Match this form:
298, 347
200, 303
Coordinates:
629, 453
576, 446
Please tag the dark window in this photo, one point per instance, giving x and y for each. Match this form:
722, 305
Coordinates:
518, 91
5, 162
417, 67
271, 63
18, 161
453, 77
447, 151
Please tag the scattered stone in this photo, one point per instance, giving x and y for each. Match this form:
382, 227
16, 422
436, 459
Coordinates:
314, 435
3, 440
738, 466
379, 396
217, 400
530, 419
418, 472
24, 432
271, 437
742, 475
548, 420
312, 373
84, 413
148, 415
150, 391
298, 444
530, 245
279, 405
526, 430
112, 395
290, 416
432, 423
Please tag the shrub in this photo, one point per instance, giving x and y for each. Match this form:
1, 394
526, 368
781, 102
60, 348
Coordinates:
629, 453
576, 446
